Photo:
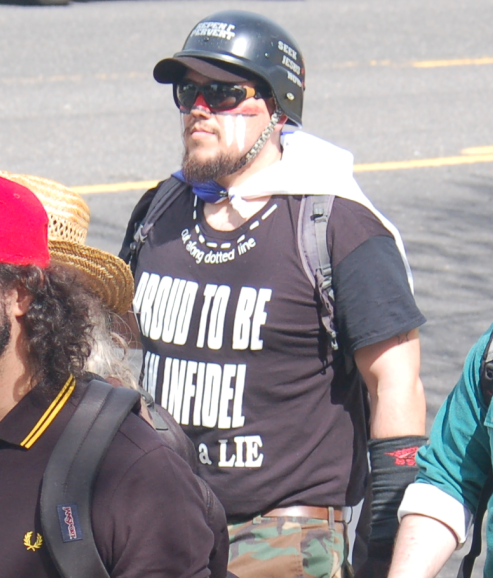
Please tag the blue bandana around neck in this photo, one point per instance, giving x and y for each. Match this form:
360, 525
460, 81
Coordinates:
209, 192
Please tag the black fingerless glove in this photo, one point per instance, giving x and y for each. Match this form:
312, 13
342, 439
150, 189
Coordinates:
393, 468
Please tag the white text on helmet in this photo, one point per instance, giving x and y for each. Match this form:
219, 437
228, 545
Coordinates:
293, 78
216, 29
288, 63
287, 50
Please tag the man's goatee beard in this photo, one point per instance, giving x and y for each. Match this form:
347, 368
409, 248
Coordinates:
202, 171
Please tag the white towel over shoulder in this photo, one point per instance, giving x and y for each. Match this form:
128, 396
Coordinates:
310, 165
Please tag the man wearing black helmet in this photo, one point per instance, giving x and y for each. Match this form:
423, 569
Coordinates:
237, 345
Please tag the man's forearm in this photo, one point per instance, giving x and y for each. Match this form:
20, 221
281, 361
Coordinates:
390, 370
422, 548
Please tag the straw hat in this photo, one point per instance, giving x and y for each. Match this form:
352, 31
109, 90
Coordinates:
107, 276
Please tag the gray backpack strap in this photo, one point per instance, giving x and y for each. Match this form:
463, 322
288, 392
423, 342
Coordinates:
66, 493
166, 194
312, 241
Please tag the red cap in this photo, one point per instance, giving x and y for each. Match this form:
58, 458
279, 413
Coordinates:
23, 226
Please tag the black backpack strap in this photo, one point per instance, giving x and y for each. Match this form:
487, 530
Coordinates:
171, 432
312, 241
138, 215
166, 193
465, 570
68, 480
486, 372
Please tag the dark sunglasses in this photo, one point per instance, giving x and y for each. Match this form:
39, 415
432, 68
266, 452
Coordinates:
217, 95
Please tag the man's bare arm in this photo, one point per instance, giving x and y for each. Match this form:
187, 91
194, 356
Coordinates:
391, 372
422, 548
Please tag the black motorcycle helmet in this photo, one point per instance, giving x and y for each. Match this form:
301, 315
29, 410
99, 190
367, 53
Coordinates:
234, 46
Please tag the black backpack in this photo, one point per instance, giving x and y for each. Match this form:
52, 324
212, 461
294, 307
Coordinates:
73, 467
312, 239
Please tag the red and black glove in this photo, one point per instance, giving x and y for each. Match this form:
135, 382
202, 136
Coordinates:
393, 468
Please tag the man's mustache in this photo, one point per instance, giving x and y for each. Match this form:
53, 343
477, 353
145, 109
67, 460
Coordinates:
198, 126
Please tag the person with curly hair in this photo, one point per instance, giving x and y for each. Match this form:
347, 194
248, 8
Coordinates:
46, 336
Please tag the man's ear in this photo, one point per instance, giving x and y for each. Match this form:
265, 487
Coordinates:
21, 300
281, 123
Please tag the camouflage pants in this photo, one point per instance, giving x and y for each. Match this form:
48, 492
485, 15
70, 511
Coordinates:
288, 547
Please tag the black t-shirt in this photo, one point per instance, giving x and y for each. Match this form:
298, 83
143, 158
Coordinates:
235, 350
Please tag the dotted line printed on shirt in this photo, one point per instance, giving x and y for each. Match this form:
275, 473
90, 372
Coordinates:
241, 238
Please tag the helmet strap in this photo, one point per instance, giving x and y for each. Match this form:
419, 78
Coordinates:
263, 138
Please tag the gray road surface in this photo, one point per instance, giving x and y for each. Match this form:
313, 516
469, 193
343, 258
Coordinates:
78, 105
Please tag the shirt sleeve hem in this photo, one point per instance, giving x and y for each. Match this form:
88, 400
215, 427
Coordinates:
413, 324
430, 501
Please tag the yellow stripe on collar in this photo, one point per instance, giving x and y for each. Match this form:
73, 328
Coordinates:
50, 414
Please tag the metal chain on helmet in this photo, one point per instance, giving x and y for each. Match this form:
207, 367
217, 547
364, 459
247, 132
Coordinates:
262, 139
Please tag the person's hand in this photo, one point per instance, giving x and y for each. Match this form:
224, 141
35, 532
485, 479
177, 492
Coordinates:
378, 561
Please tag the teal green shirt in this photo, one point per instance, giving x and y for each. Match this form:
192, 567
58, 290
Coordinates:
458, 458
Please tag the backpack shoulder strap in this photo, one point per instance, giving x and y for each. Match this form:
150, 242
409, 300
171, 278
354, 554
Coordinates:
68, 480
138, 215
165, 195
465, 570
486, 372
172, 433
312, 242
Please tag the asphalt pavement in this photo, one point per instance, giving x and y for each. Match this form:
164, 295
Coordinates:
407, 82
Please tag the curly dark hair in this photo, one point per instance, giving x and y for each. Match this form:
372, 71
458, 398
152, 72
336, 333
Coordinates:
57, 324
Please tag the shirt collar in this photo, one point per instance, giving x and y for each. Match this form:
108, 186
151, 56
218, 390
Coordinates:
32, 416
